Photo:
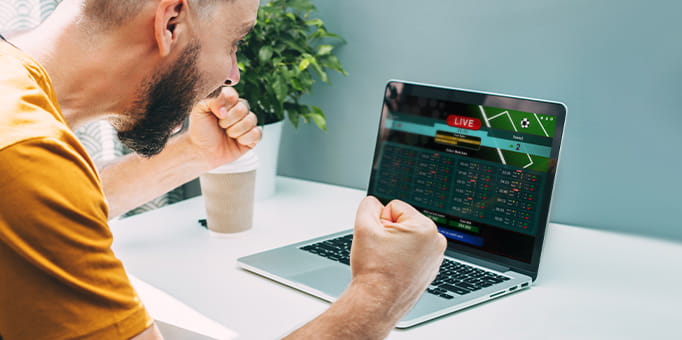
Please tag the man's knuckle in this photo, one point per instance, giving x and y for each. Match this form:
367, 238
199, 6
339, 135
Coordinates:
224, 123
251, 137
442, 242
230, 93
360, 231
398, 203
237, 130
243, 109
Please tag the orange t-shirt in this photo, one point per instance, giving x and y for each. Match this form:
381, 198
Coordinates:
59, 278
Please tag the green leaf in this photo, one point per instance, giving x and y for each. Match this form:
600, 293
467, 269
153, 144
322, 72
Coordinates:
317, 116
276, 62
332, 62
281, 89
296, 47
315, 22
321, 33
306, 81
293, 118
304, 65
301, 5
296, 84
320, 121
320, 72
324, 50
265, 53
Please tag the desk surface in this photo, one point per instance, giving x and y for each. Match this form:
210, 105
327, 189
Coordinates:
592, 284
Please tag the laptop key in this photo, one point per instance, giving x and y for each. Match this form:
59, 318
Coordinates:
451, 281
455, 289
472, 281
463, 285
328, 248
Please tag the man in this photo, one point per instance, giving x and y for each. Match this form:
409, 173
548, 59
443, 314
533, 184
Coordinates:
142, 64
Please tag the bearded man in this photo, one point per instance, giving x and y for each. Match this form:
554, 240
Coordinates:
147, 65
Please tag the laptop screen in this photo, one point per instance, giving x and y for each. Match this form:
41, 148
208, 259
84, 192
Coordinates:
481, 166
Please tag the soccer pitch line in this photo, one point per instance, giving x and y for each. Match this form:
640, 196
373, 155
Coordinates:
487, 123
508, 116
542, 126
531, 162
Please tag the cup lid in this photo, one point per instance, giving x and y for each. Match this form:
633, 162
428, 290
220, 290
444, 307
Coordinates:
246, 163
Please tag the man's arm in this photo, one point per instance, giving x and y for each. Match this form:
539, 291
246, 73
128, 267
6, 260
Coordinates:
396, 253
362, 312
132, 180
221, 130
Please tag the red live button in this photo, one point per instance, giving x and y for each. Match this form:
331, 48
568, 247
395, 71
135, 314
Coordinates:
464, 122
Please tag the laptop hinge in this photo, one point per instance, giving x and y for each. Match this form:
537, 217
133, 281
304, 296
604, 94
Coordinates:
477, 261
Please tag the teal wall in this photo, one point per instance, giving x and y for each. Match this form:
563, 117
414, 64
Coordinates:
616, 64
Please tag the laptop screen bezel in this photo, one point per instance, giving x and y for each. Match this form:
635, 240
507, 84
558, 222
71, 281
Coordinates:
473, 97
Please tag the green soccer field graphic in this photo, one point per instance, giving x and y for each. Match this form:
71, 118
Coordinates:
521, 122
517, 121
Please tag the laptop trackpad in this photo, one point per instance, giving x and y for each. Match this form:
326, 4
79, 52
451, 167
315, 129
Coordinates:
331, 280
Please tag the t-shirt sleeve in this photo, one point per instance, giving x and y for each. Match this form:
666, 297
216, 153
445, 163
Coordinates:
59, 278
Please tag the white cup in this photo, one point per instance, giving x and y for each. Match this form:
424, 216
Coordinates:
228, 193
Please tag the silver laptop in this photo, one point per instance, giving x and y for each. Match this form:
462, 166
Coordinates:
481, 165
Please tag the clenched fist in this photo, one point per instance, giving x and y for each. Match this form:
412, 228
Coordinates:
223, 128
397, 250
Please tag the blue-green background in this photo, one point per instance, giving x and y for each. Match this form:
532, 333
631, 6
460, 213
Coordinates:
616, 64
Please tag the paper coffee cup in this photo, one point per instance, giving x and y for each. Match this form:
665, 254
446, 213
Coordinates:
228, 193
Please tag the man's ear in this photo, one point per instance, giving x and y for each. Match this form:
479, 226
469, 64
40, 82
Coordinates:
169, 14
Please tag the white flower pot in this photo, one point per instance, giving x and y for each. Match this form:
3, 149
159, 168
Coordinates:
268, 151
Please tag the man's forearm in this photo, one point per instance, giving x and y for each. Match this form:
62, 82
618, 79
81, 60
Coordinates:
360, 313
133, 180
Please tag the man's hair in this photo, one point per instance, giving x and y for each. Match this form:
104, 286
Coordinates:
107, 14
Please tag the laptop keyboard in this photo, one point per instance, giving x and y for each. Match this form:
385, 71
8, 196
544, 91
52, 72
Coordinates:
453, 279
337, 249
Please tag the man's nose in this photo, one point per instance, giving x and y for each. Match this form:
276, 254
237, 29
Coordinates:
234, 76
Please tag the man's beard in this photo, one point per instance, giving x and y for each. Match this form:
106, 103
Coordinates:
166, 103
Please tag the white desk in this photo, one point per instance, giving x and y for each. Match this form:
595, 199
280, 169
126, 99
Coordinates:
592, 284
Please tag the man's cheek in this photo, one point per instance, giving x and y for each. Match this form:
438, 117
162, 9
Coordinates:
215, 92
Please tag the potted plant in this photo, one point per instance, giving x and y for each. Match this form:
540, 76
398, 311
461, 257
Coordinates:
285, 54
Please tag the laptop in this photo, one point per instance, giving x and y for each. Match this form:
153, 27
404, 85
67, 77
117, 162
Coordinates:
480, 165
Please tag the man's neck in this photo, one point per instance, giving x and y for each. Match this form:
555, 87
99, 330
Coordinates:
86, 69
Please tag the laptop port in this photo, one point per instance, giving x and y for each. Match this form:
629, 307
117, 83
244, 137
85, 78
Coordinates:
513, 288
525, 284
497, 294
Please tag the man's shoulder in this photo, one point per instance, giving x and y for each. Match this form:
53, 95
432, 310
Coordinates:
29, 108
16, 63
19, 70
